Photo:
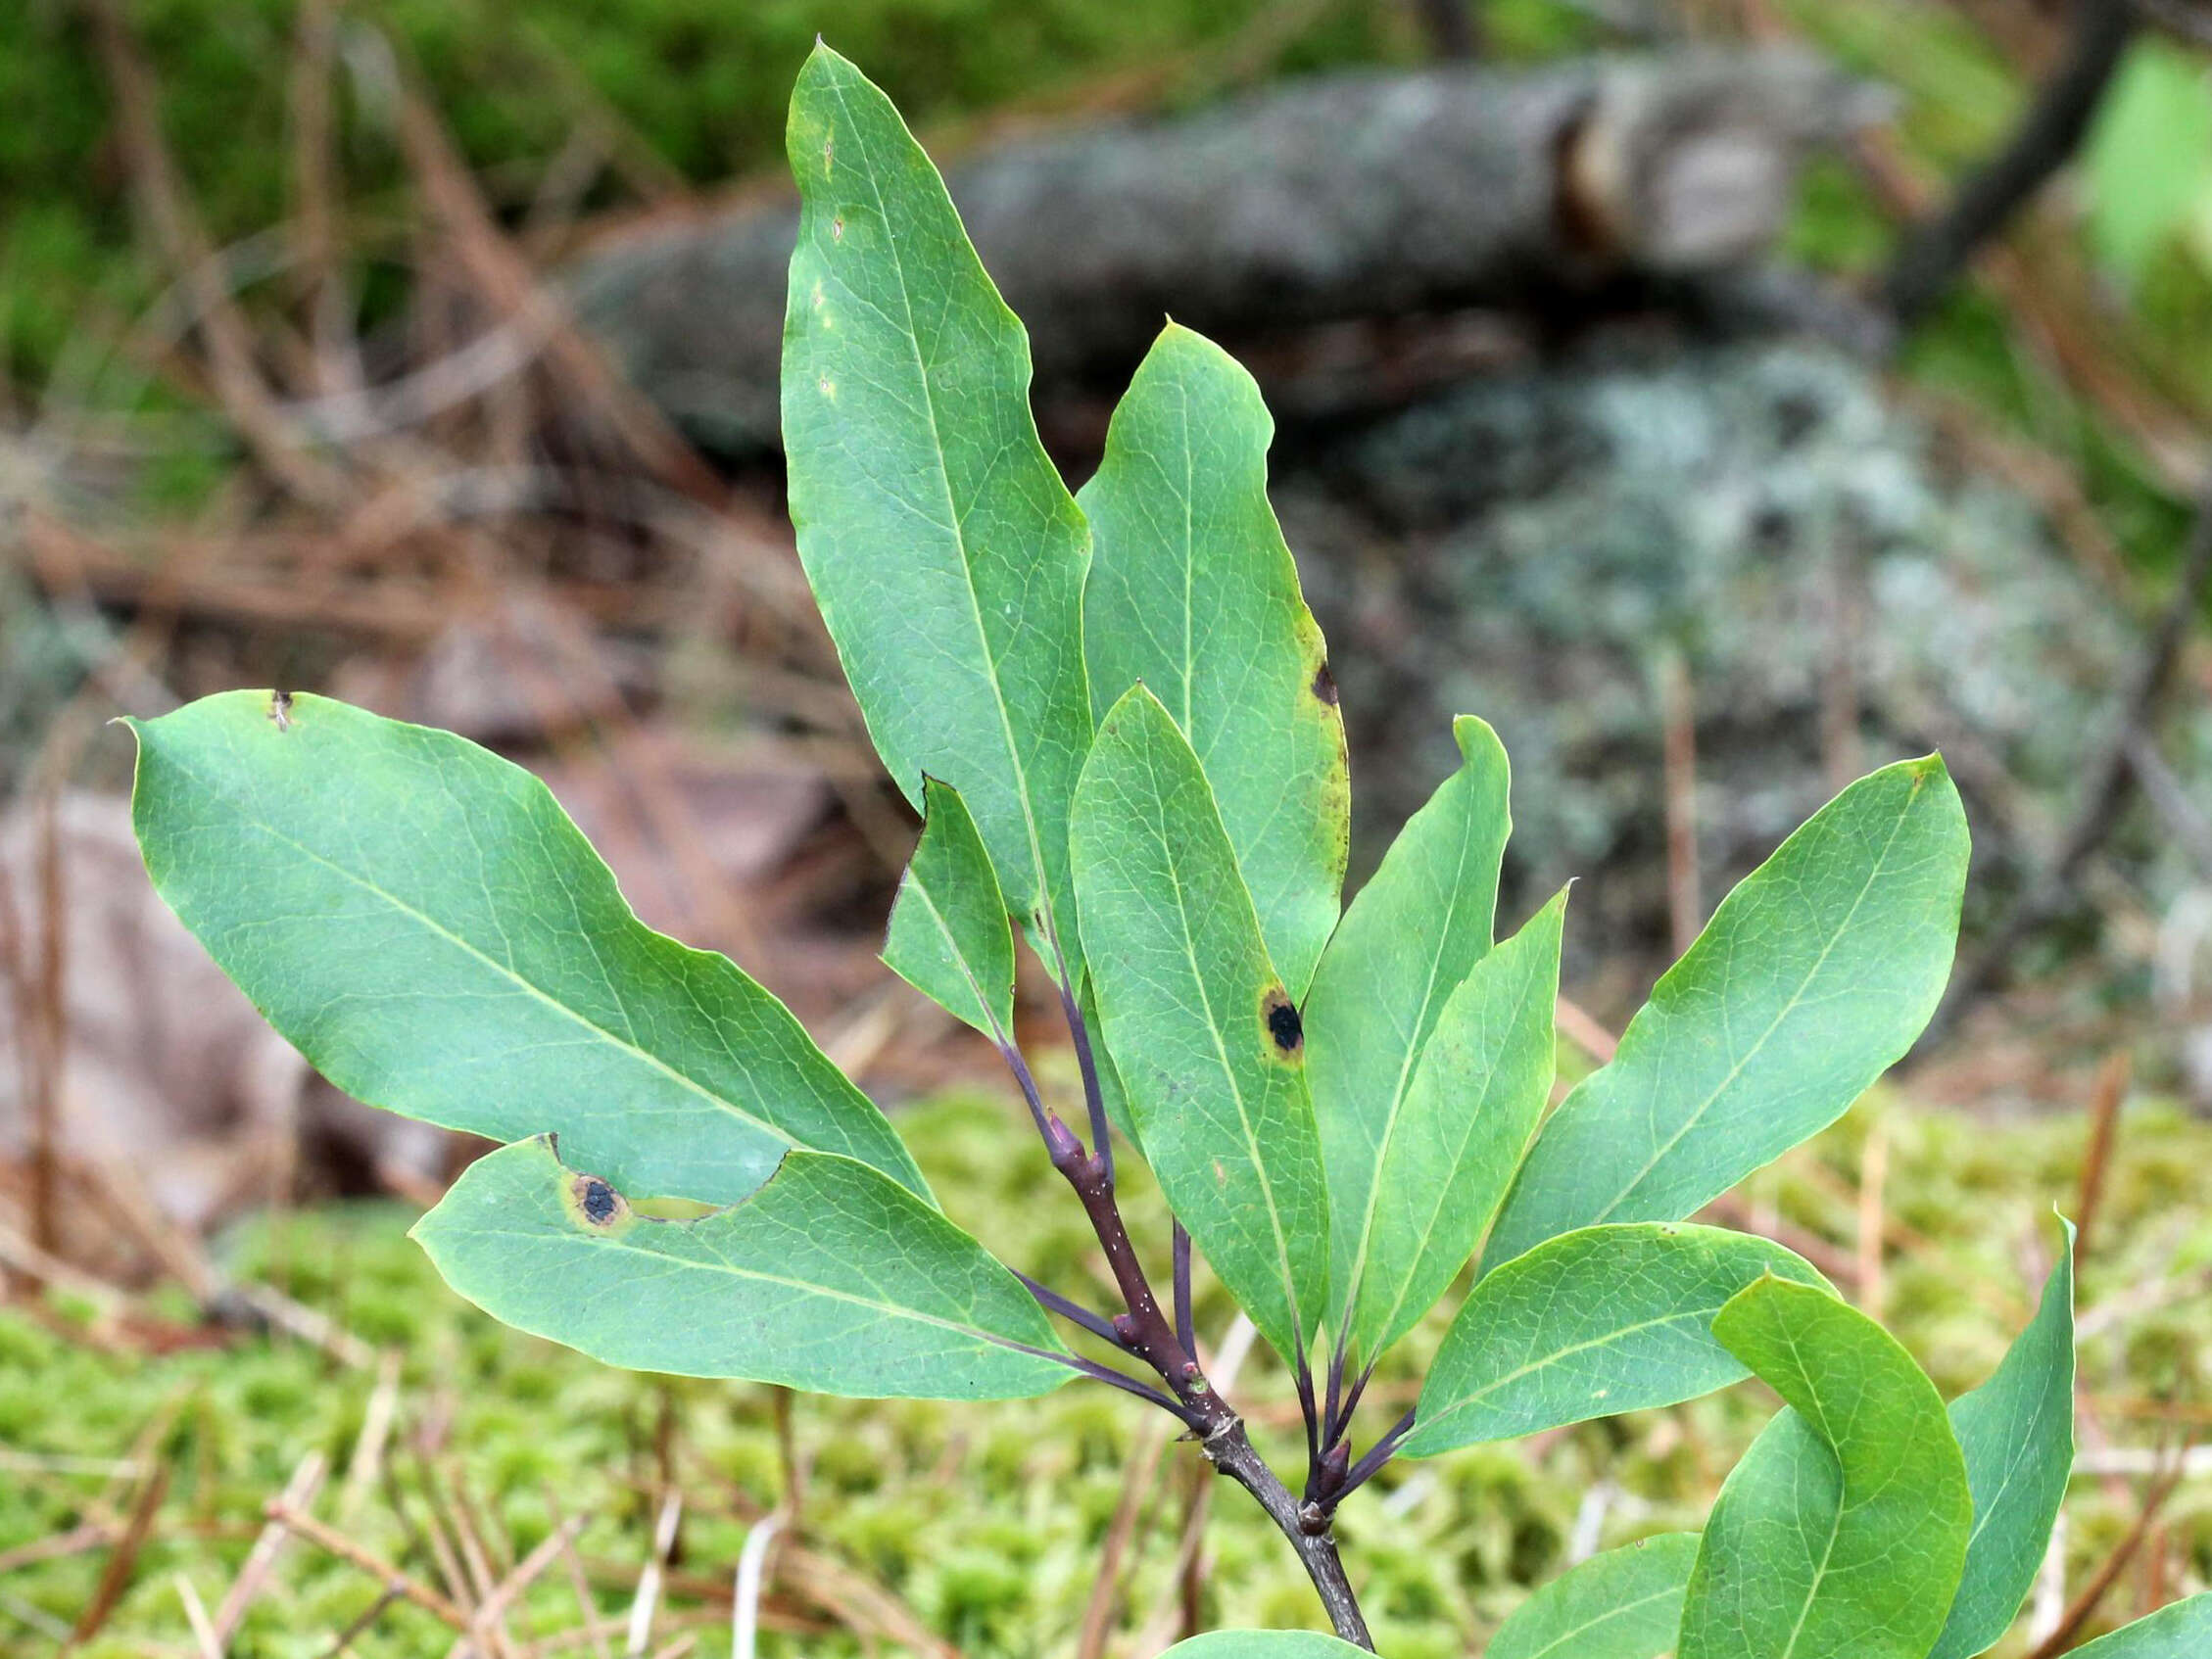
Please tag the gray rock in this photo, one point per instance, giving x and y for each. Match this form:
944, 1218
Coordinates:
1527, 547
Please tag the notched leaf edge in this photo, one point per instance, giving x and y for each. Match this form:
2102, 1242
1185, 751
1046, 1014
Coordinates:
597, 1206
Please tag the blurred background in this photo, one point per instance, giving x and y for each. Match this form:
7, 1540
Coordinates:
1721, 397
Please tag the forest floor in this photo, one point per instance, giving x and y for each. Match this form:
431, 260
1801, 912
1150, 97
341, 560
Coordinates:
493, 1468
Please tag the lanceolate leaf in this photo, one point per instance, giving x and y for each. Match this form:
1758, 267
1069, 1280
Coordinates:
1406, 941
421, 919
1453, 1146
1193, 592
1262, 1644
948, 936
944, 551
828, 1278
1590, 1324
2017, 1431
1842, 1533
1814, 975
2182, 1630
1623, 1604
1207, 1042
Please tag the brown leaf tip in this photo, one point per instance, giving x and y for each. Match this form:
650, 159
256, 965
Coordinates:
1285, 1028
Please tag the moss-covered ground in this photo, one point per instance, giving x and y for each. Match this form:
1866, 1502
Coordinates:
986, 1524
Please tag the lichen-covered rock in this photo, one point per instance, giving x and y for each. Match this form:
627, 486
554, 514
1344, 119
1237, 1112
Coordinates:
1532, 548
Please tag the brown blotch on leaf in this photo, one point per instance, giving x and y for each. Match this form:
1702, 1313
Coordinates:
1324, 684
280, 710
1285, 1030
599, 1204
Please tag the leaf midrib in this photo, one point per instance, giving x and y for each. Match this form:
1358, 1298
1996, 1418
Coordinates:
1415, 1042
1221, 1052
1789, 1008
1618, 1610
501, 970
959, 956
955, 521
888, 1309
1618, 1334
1442, 1188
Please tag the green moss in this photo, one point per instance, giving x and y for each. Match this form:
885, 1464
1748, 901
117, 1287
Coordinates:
698, 87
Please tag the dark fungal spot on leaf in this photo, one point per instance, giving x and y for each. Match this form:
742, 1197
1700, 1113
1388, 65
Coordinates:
1324, 684
598, 1200
596, 1204
1286, 1032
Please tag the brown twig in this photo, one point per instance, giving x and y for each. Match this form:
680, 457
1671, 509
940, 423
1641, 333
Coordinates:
1585, 1031
367, 1561
511, 287
261, 1561
184, 246
647, 1601
578, 1581
1143, 1470
2105, 1101
559, 1542
1937, 251
204, 1635
114, 1579
2083, 1606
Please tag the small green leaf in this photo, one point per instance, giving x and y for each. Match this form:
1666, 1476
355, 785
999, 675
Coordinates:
1451, 1149
1590, 1324
1813, 977
1842, 1533
2182, 1631
950, 938
2149, 156
1207, 1043
828, 1278
1262, 1644
2017, 1433
1194, 592
1623, 1604
944, 549
1408, 939
420, 919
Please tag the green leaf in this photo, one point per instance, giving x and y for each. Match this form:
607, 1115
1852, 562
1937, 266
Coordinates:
1408, 939
1590, 1324
1813, 976
1451, 1150
2017, 1433
1205, 1040
2149, 156
1842, 1533
949, 934
1262, 1645
944, 549
1623, 1604
2182, 1631
421, 919
828, 1278
1193, 592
